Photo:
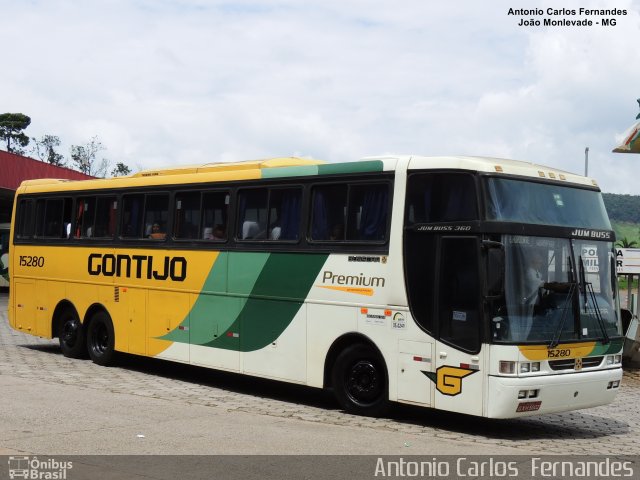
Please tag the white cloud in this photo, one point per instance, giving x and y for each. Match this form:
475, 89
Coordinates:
166, 82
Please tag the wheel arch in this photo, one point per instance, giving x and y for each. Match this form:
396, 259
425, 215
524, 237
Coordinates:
92, 310
339, 345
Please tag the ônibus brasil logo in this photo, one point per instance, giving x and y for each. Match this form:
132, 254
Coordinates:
33, 468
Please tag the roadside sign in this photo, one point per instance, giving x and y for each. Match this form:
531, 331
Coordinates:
628, 260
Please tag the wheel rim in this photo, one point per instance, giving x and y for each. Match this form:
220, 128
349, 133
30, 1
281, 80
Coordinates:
99, 339
70, 330
364, 382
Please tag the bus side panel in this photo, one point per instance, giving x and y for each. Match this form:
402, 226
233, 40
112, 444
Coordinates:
134, 321
168, 313
325, 324
48, 294
212, 317
284, 358
24, 298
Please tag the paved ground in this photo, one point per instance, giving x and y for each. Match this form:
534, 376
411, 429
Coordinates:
55, 405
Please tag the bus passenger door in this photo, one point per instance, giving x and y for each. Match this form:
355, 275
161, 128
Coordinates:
458, 377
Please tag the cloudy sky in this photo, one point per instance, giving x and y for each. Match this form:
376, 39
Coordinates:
165, 82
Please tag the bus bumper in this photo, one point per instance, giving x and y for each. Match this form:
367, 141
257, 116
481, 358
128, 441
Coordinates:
555, 393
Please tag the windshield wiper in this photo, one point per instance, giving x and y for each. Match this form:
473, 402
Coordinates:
558, 333
586, 288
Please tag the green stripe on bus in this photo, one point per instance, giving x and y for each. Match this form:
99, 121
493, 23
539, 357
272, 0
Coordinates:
613, 347
276, 298
351, 167
290, 171
277, 285
214, 311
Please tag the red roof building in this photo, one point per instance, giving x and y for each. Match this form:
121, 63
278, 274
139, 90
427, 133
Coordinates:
16, 168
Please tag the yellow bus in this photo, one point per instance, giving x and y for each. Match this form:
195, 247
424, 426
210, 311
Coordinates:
474, 285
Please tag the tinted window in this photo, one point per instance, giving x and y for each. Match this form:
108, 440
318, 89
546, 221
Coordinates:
95, 217
145, 216
25, 222
530, 202
343, 212
215, 207
187, 215
441, 197
269, 214
459, 287
201, 216
53, 218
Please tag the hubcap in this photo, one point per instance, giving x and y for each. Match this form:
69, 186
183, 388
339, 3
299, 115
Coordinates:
364, 384
100, 339
70, 332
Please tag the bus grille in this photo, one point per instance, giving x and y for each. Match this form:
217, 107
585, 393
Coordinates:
569, 364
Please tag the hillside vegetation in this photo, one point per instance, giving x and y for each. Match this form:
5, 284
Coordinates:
624, 212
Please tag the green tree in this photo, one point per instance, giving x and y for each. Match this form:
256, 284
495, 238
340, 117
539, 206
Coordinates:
44, 149
624, 242
85, 158
11, 127
121, 170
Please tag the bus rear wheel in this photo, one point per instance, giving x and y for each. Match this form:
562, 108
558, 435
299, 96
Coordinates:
359, 381
101, 339
71, 335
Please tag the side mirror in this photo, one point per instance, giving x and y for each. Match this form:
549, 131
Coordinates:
494, 285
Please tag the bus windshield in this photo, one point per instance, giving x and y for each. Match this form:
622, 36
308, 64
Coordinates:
556, 289
511, 200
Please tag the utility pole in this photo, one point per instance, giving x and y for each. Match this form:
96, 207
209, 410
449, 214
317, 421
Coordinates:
586, 162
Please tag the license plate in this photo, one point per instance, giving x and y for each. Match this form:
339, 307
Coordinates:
528, 406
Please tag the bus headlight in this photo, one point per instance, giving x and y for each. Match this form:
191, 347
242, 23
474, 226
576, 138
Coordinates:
507, 367
529, 367
613, 359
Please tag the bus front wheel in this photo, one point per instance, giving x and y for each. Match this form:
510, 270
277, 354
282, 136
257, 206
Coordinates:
71, 335
101, 339
359, 381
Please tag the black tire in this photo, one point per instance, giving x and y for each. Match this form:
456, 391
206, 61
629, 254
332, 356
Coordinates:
359, 380
101, 339
71, 335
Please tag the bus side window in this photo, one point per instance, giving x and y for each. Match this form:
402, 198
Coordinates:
441, 197
132, 216
368, 208
156, 213
53, 218
187, 215
252, 214
328, 216
105, 217
85, 215
25, 222
145, 216
284, 213
215, 212
346, 212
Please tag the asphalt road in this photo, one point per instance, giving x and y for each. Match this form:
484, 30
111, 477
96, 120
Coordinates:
55, 405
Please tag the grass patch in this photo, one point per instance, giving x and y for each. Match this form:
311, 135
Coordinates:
630, 231
622, 282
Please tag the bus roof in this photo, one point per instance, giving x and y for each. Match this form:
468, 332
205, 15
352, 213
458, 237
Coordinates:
500, 166
293, 167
